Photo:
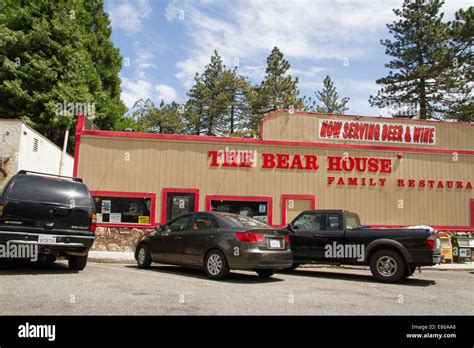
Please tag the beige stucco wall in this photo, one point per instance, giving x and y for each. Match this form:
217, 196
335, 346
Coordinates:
149, 165
305, 127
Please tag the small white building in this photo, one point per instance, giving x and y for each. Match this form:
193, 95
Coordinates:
23, 148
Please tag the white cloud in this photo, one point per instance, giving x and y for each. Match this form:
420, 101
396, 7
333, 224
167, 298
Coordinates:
143, 59
133, 90
127, 15
166, 93
303, 29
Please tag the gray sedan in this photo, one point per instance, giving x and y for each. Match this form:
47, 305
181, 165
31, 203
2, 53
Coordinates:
217, 242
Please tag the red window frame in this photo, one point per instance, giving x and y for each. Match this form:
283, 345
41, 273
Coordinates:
286, 197
150, 195
267, 199
164, 205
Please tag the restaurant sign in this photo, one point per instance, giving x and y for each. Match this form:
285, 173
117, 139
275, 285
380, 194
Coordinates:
383, 132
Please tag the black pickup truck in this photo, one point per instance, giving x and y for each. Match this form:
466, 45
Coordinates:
337, 237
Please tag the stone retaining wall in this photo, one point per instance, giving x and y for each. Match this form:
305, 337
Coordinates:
117, 239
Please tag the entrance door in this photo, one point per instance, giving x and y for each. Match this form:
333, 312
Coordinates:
178, 203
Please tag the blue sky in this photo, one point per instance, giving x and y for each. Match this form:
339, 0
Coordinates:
164, 43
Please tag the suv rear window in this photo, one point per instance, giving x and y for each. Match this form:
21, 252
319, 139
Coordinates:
44, 190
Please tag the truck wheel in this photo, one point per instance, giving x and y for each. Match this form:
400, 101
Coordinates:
387, 266
143, 257
77, 263
215, 265
265, 273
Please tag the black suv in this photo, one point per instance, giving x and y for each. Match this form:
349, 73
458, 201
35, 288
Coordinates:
54, 213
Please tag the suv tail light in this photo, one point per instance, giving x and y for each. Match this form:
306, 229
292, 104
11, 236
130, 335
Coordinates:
94, 223
287, 239
431, 242
249, 237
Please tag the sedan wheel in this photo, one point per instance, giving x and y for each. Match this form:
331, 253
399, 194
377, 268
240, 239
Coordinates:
143, 257
216, 265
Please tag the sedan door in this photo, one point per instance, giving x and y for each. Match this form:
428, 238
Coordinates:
305, 230
195, 241
172, 235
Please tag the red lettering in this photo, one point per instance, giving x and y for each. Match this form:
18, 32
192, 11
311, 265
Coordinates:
469, 185
296, 163
431, 183
422, 183
334, 163
311, 162
341, 181
352, 181
283, 161
400, 182
331, 180
449, 183
440, 184
382, 181
459, 184
373, 165
213, 155
385, 165
268, 160
411, 183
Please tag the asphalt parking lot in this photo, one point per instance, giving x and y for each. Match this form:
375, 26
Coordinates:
119, 289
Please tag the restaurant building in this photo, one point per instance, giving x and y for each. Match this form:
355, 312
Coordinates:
392, 172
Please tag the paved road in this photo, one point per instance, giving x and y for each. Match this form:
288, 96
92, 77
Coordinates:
124, 289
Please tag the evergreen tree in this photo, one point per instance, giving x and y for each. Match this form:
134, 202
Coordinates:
165, 119
419, 39
456, 72
56, 54
328, 99
278, 90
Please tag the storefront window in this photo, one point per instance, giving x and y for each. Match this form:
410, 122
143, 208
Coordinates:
257, 210
123, 210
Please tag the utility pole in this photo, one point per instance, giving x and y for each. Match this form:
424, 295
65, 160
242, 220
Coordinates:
63, 153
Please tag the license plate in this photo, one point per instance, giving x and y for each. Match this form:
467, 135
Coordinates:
47, 239
275, 243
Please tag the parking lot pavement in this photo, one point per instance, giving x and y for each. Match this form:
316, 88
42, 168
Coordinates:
30, 289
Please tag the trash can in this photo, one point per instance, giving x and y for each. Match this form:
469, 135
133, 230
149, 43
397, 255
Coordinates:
462, 247
446, 248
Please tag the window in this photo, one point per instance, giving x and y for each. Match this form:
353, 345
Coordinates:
259, 210
204, 222
308, 221
49, 190
244, 221
334, 222
123, 210
352, 221
35, 144
180, 223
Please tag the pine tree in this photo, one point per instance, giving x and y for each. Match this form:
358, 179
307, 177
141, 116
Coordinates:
53, 54
218, 101
419, 39
456, 72
329, 99
165, 119
278, 90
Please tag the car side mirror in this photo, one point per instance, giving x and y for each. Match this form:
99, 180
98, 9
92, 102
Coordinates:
289, 227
